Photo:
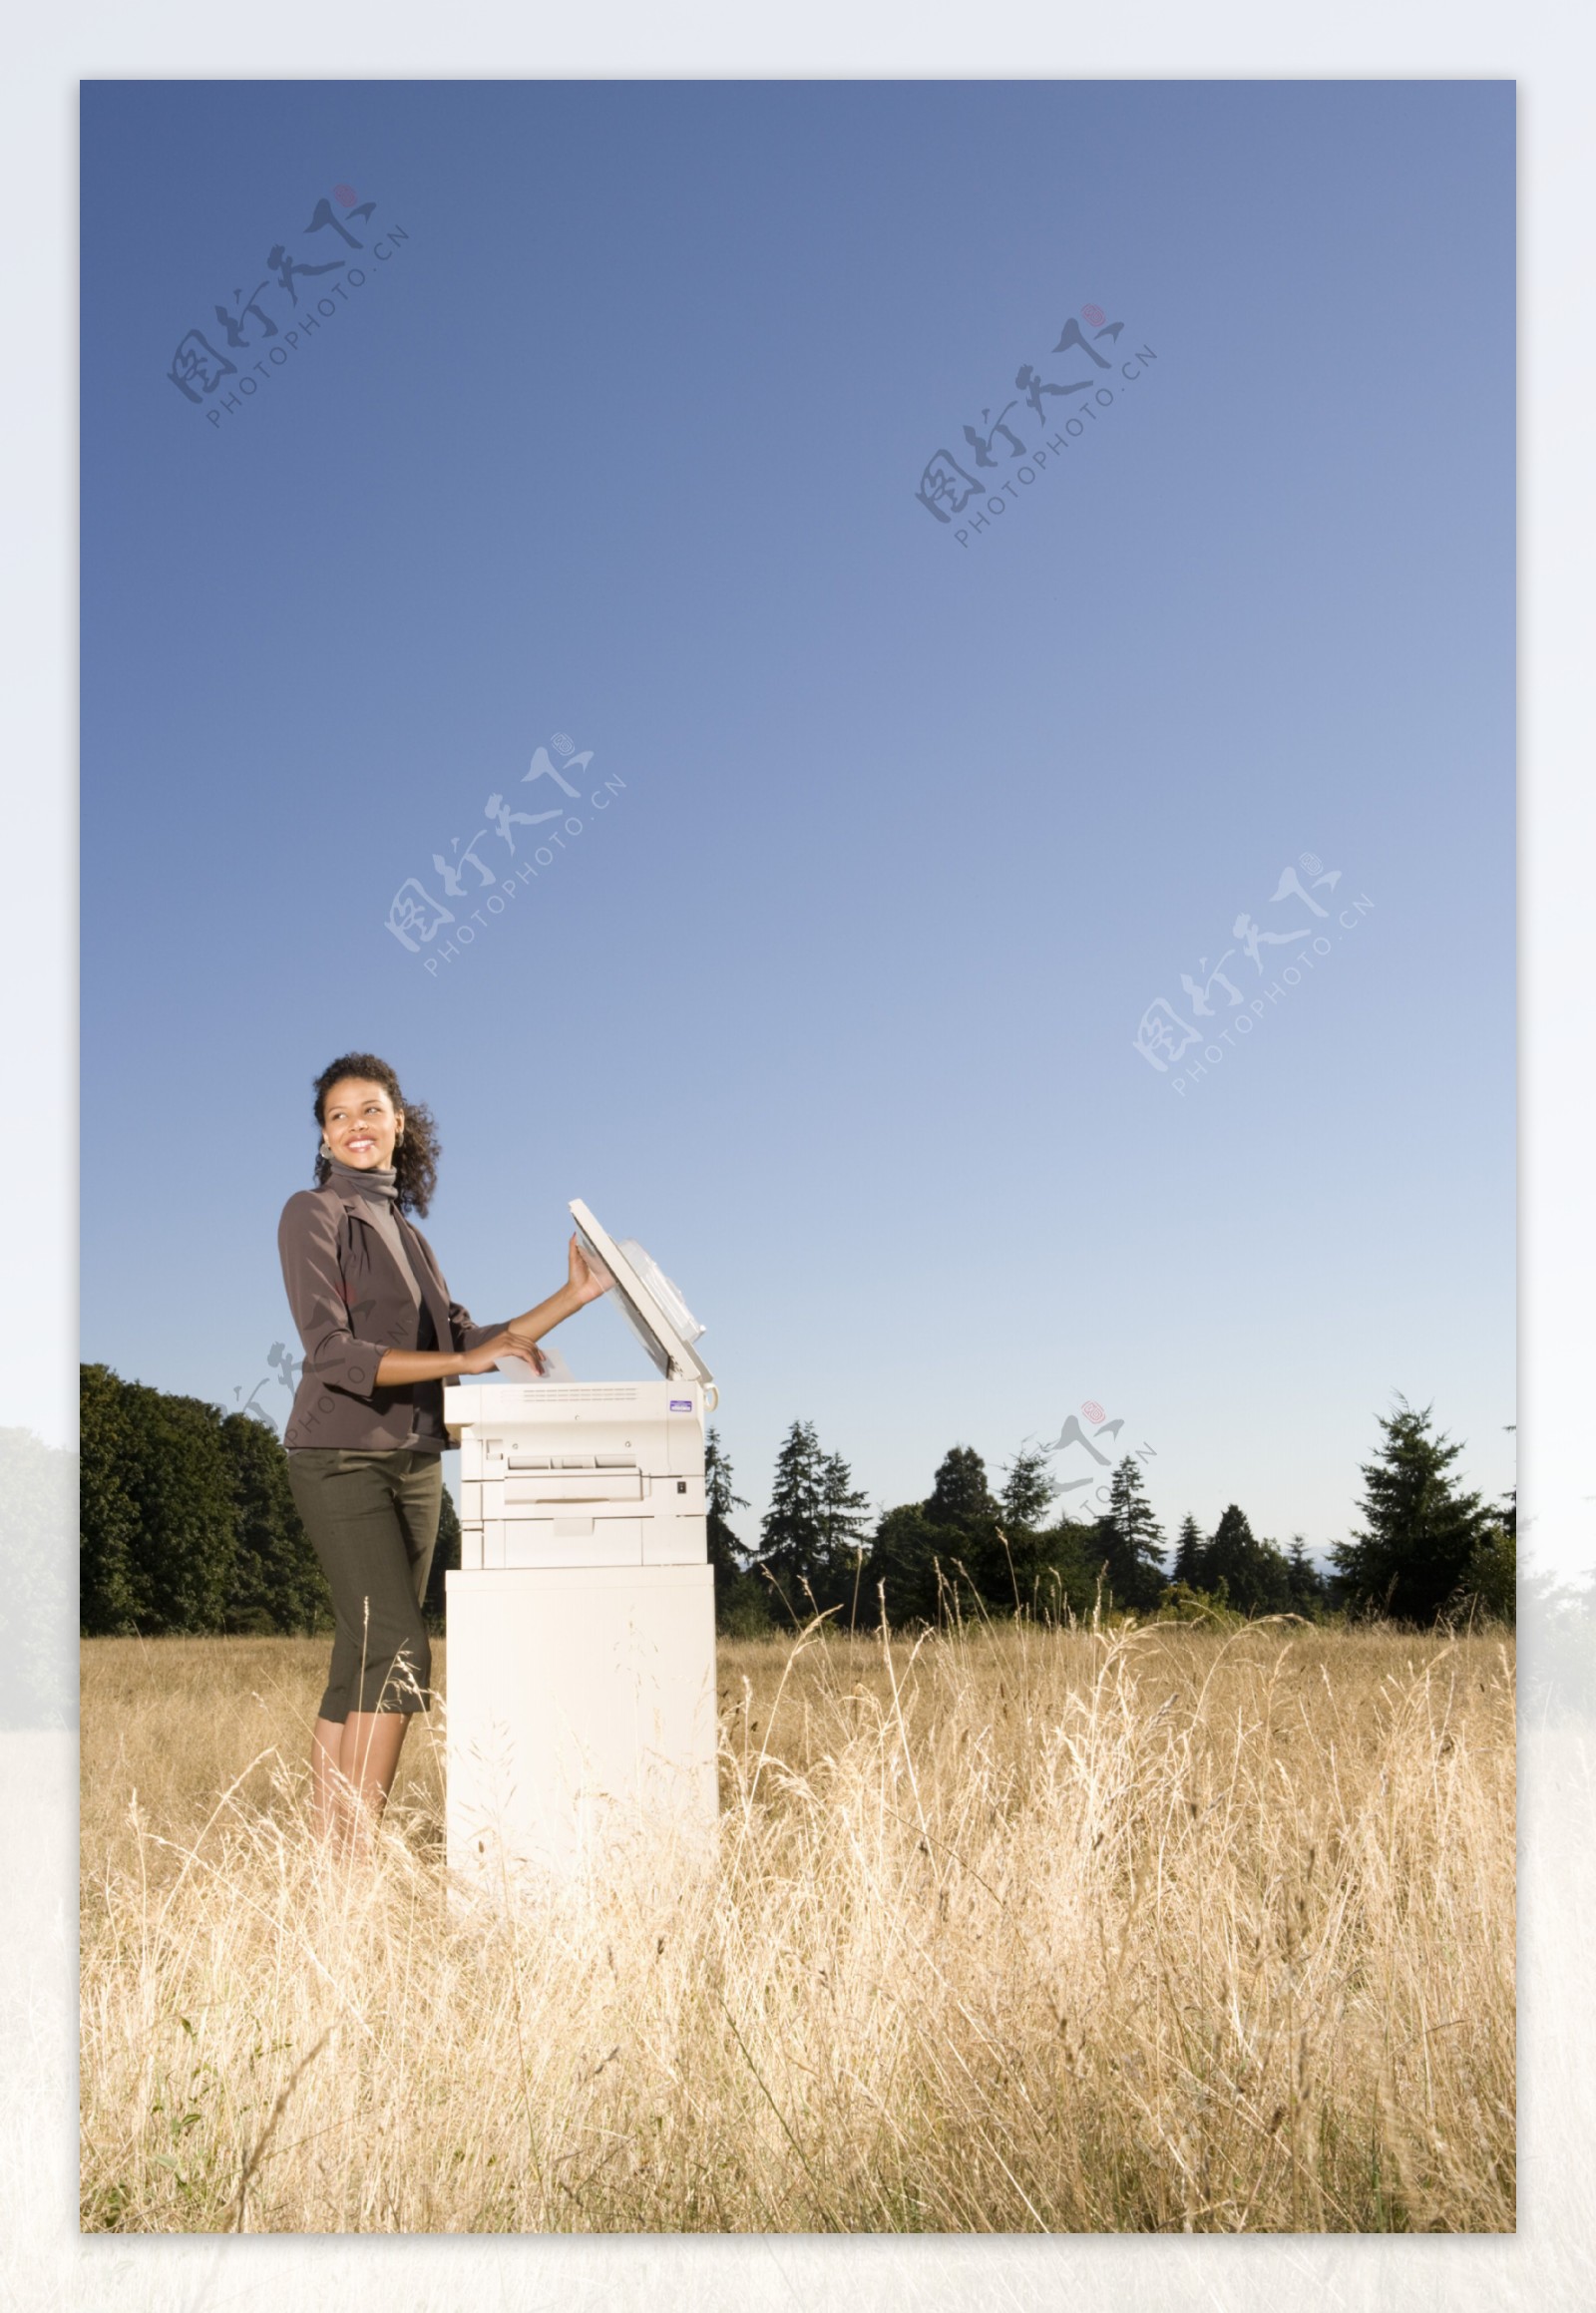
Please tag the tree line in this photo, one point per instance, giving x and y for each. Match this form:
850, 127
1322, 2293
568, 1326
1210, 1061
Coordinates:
1426, 1548
187, 1524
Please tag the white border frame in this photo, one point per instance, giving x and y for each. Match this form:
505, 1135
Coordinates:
1546, 47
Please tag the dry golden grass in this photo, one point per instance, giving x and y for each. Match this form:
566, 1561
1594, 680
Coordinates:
1014, 1930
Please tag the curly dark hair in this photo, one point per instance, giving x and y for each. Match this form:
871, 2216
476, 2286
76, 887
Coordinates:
415, 1156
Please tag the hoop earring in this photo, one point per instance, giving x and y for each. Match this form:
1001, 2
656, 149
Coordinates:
325, 1150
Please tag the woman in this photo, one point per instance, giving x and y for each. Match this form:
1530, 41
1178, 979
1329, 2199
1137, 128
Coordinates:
366, 1436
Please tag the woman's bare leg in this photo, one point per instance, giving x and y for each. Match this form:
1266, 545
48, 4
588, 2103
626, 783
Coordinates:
326, 1753
369, 1759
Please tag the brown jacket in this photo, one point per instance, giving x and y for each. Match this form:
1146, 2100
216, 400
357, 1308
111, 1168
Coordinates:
350, 1302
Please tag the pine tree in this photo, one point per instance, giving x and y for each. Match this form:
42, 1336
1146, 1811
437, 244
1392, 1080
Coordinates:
1130, 1538
843, 1519
1254, 1573
1190, 1549
1046, 1573
742, 1598
792, 1533
725, 1551
1305, 1584
1028, 1489
1419, 1528
842, 1511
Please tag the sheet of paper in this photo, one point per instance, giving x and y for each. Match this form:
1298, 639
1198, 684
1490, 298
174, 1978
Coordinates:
518, 1369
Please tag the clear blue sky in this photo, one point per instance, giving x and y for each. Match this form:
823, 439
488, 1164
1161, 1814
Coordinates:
834, 1004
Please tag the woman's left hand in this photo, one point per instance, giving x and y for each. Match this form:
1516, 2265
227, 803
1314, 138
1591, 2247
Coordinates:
584, 1285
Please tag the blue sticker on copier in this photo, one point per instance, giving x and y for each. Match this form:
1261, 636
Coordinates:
682, 1405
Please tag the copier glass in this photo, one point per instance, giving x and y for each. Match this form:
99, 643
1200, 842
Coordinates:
581, 1623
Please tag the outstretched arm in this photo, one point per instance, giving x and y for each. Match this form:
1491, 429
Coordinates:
581, 1286
401, 1366
515, 1340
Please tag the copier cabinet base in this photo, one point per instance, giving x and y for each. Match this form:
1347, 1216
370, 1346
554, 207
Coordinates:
580, 1717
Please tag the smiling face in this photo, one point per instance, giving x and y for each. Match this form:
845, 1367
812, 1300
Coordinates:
360, 1123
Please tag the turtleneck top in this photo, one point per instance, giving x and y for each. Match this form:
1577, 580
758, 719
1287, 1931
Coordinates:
379, 1185
375, 1180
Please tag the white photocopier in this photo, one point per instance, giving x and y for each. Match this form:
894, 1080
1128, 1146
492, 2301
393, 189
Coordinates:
580, 1637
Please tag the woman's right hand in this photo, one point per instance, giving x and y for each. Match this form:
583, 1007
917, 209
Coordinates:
487, 1354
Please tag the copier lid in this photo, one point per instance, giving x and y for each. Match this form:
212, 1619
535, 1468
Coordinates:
650, 1303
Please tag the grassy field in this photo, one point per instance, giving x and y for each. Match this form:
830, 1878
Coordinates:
1017, 1930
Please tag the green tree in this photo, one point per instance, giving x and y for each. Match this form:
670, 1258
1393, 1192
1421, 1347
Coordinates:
742, 1599
726, 1553
1047, 1568
975, 1555
1489, 1583
808, 1537
1058, 1569
278, 1583
921, 1547
907, 1565
1305, 1585
109, 1593
1419, 1528
1488, 1586
1252, 1575
1029, 1488
1189, 1552
791, 1538
960, 1549
960, 1494
845, 1524
182, 1490
1130, 1539
159, 1527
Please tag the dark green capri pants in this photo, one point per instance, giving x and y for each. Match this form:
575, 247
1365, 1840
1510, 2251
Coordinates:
372, 1519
